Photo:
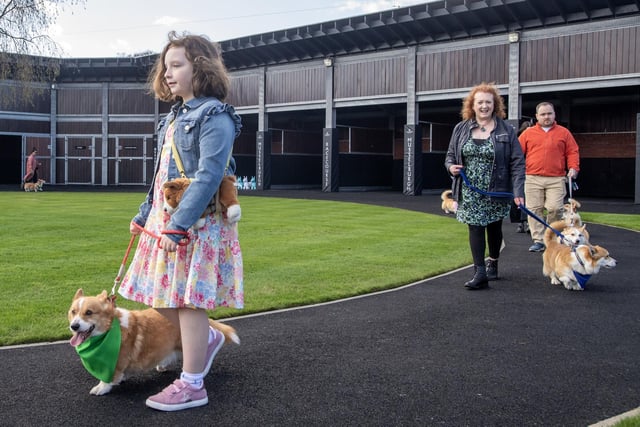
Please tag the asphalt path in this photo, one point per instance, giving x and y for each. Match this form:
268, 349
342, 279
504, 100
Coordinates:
522, 353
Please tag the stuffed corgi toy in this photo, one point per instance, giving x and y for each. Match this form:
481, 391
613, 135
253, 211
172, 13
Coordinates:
226, 197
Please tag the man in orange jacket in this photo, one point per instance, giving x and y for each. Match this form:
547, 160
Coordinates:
551, 155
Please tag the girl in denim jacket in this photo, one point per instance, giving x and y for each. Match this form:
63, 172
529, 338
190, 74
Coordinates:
181, 280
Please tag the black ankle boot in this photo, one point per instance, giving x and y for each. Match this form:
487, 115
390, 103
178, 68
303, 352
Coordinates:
479, 280
492, 269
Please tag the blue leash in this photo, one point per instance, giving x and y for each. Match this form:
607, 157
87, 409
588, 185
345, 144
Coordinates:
507, 195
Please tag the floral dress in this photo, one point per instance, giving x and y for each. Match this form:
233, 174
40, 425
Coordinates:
475, 208
205, 273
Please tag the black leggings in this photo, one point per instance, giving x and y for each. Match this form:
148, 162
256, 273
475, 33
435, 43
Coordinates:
478, 243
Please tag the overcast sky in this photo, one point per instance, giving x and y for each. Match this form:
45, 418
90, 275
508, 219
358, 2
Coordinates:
107, 28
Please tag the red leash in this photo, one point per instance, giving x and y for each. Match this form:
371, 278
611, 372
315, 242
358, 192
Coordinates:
116, 282
118, 278
183, 242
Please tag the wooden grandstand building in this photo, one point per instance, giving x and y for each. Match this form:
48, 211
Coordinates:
362, 102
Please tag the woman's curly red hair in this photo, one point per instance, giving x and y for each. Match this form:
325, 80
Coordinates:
498, 103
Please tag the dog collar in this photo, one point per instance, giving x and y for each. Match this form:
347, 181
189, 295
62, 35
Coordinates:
99, 354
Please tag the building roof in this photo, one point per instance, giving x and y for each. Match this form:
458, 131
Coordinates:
420, 24
396, 28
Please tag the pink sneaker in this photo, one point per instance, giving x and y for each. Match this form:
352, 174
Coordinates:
178, 396
212, 349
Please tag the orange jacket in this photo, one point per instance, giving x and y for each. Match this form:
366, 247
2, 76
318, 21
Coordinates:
550, 153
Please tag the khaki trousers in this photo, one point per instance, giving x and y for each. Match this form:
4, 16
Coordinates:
544, 192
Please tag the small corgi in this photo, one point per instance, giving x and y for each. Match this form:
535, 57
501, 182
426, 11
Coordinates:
147, 338
449, 206
570, 213
34, 186
562, 262
574, 235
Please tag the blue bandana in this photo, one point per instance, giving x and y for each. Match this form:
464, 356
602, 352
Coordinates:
99, 355
582, 279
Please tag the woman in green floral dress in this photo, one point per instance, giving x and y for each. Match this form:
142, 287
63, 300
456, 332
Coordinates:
487, 147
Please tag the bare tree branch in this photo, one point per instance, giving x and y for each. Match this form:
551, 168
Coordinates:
24, 25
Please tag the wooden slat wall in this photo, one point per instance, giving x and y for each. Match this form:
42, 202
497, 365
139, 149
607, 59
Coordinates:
130, 101
462, 68
144, 128
243, 91
80, 101
375, 77
595, 54
299, 85
618, 145
603, 115
79, 128
24, 126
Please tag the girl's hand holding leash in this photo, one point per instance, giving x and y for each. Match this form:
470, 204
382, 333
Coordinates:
134, 228
164, 242
167, 244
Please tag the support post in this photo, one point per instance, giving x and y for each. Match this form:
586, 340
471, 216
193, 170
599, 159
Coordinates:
330, 160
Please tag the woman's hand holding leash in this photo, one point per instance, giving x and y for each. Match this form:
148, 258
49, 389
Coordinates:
455, 169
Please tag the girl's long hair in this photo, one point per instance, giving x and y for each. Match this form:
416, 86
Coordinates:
210, 76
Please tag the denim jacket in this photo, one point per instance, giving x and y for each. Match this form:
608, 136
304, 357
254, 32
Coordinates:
205, 130
508, 165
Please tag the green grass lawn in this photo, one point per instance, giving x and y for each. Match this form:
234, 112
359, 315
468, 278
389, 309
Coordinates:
633, 421
296, 252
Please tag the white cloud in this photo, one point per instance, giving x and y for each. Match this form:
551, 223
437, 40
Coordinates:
167, 21
120, 46
362, 7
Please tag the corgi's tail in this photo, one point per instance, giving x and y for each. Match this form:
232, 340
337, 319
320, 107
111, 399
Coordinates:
446, 194
228, 331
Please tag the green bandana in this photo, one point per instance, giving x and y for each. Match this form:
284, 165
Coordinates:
99, 354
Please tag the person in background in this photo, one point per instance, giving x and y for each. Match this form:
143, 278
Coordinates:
516, 214
552, 156
32, 167
183, 281
487, 147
